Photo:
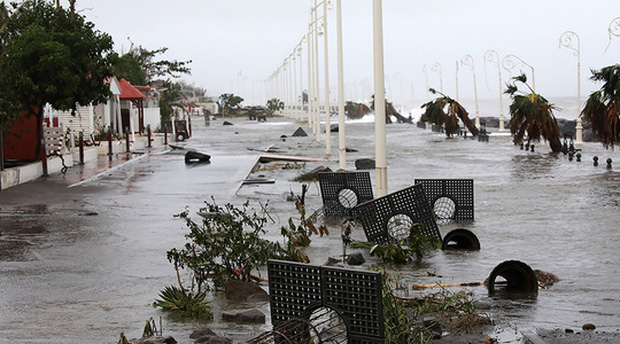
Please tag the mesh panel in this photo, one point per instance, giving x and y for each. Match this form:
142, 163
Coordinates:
298, 289
292, 288
412, 202
332, 183
460, 191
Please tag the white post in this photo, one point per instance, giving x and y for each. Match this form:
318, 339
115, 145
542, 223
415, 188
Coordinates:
294, 85
566, 40
301, 84
380, 135
342, 158
309, 114
328, 140
317, 112
468, 61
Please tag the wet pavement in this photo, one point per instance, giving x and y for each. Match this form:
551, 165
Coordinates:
81, 264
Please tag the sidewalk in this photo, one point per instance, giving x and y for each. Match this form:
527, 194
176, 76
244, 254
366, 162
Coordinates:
96, 161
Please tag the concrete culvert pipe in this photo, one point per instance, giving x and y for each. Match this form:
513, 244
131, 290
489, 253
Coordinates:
520, 278
460, 239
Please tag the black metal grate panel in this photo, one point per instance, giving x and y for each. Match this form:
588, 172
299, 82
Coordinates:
333, 191
292, 288
460, 191
357, 295
298, 289
411, 202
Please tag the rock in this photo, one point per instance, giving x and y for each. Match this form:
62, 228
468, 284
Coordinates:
588, 327
331, 261
365, 164
333, 128
479, 304
202, 333
546, 278
155, 340
260, 297
434, 326
252, 316
568, 330
213, 340
226, 123
321, 169
237, 290
356, 259
299, 132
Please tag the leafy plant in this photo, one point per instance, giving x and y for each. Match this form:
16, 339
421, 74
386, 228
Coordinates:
445, 111
182, 304
275, 104
50, 55
532, 114
602, 109
230, 102
227, 244
299, 235
402, 251
398, 325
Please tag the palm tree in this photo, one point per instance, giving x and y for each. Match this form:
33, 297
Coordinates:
602, 109
447, 112
532, 114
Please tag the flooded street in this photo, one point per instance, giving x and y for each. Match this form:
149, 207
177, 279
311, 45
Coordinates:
82, 264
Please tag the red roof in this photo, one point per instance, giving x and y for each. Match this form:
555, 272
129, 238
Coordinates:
128, 91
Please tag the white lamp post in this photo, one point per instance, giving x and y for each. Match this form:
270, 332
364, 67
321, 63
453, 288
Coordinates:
317, 113
328, 141
509, 62
493, 57
437, 68
342, 150
301, 82
380, 135
310, 89
294, 85
570, 40
613, 30
468, 61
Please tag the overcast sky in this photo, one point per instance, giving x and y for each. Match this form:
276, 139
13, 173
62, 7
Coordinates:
246, 40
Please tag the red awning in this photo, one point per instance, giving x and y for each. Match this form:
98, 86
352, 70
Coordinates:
128, 91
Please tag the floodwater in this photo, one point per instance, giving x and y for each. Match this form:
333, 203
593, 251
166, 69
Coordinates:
82, 264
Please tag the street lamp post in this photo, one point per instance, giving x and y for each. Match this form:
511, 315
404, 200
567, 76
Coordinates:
380, 135
301, 81
437, 68
328, 141
310, 89
342, 150
317, 113
509, 62
468, 61
294, 85
613, 30
570, 40
493, 57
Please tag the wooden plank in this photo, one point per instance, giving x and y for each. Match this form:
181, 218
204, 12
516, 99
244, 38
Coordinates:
276, 157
